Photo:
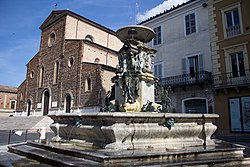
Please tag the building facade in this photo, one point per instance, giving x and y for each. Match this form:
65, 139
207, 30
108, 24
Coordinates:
8, 99
183, 59
230, 37
72, 70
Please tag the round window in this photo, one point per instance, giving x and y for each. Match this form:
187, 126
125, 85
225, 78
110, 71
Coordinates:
32, 74
89, 38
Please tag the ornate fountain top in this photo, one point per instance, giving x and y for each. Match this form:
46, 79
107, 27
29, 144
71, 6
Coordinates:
134, 82
135, 32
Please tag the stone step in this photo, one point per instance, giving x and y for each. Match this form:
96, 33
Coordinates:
49, 157
247, 152
113, 155
224, 162
72, 156
8, 159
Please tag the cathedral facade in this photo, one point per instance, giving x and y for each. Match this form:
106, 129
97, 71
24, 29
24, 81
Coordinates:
73, 68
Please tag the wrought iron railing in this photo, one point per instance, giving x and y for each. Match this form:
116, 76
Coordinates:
187, 79
232, 79
233, 31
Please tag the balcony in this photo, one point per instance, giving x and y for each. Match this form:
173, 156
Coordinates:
227, 80
233, 31
184, 80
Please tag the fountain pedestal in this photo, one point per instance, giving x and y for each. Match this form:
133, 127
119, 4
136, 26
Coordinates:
127, 131
145, 93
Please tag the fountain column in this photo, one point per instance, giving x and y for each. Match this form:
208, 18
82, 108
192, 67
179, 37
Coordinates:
134, 78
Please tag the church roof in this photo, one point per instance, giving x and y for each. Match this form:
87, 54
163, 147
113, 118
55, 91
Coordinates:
58, 14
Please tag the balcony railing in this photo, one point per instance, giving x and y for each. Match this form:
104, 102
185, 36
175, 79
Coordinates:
187, 79
233, 31
230, 80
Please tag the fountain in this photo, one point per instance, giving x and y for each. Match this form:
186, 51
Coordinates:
137, 122
134, 130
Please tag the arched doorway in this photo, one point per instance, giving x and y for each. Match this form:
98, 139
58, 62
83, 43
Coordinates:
67, 103
29, 107
45, 102
195, 105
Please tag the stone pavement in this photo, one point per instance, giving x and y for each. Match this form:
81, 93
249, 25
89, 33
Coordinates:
8, 159
237, 139
22, 123
25, 122
243, 139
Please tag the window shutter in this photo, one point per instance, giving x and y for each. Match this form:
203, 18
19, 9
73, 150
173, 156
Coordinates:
155, 70
187, 24
193, 28
159, 35
160, 71
184, 66
157, 39
201, 62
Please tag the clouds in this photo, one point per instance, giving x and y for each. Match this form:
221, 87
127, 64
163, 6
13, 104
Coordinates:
158, 9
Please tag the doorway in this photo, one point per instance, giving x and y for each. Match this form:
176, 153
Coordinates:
45, 102
28, 107
239, 112
195, 106
68, 103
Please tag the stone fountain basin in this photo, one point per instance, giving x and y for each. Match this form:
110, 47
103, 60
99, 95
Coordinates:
129, 130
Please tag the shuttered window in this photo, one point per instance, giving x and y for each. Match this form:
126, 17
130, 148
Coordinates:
190, 24
158, 34
193, 65
158, 70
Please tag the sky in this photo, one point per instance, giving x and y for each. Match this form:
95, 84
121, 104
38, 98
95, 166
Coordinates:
20, 21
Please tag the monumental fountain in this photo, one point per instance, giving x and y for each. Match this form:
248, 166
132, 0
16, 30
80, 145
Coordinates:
133, 129
137, 122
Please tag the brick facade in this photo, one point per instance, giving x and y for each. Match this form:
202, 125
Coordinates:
69, 71
21, 96
8, 98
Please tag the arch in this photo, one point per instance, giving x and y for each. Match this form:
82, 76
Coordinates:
71, 61
56, 72
97, 60
29, 106
46, 100
12, 103
21, 96
195, 105
88, 84
89, 38
68, 102
51, 39
41, 77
